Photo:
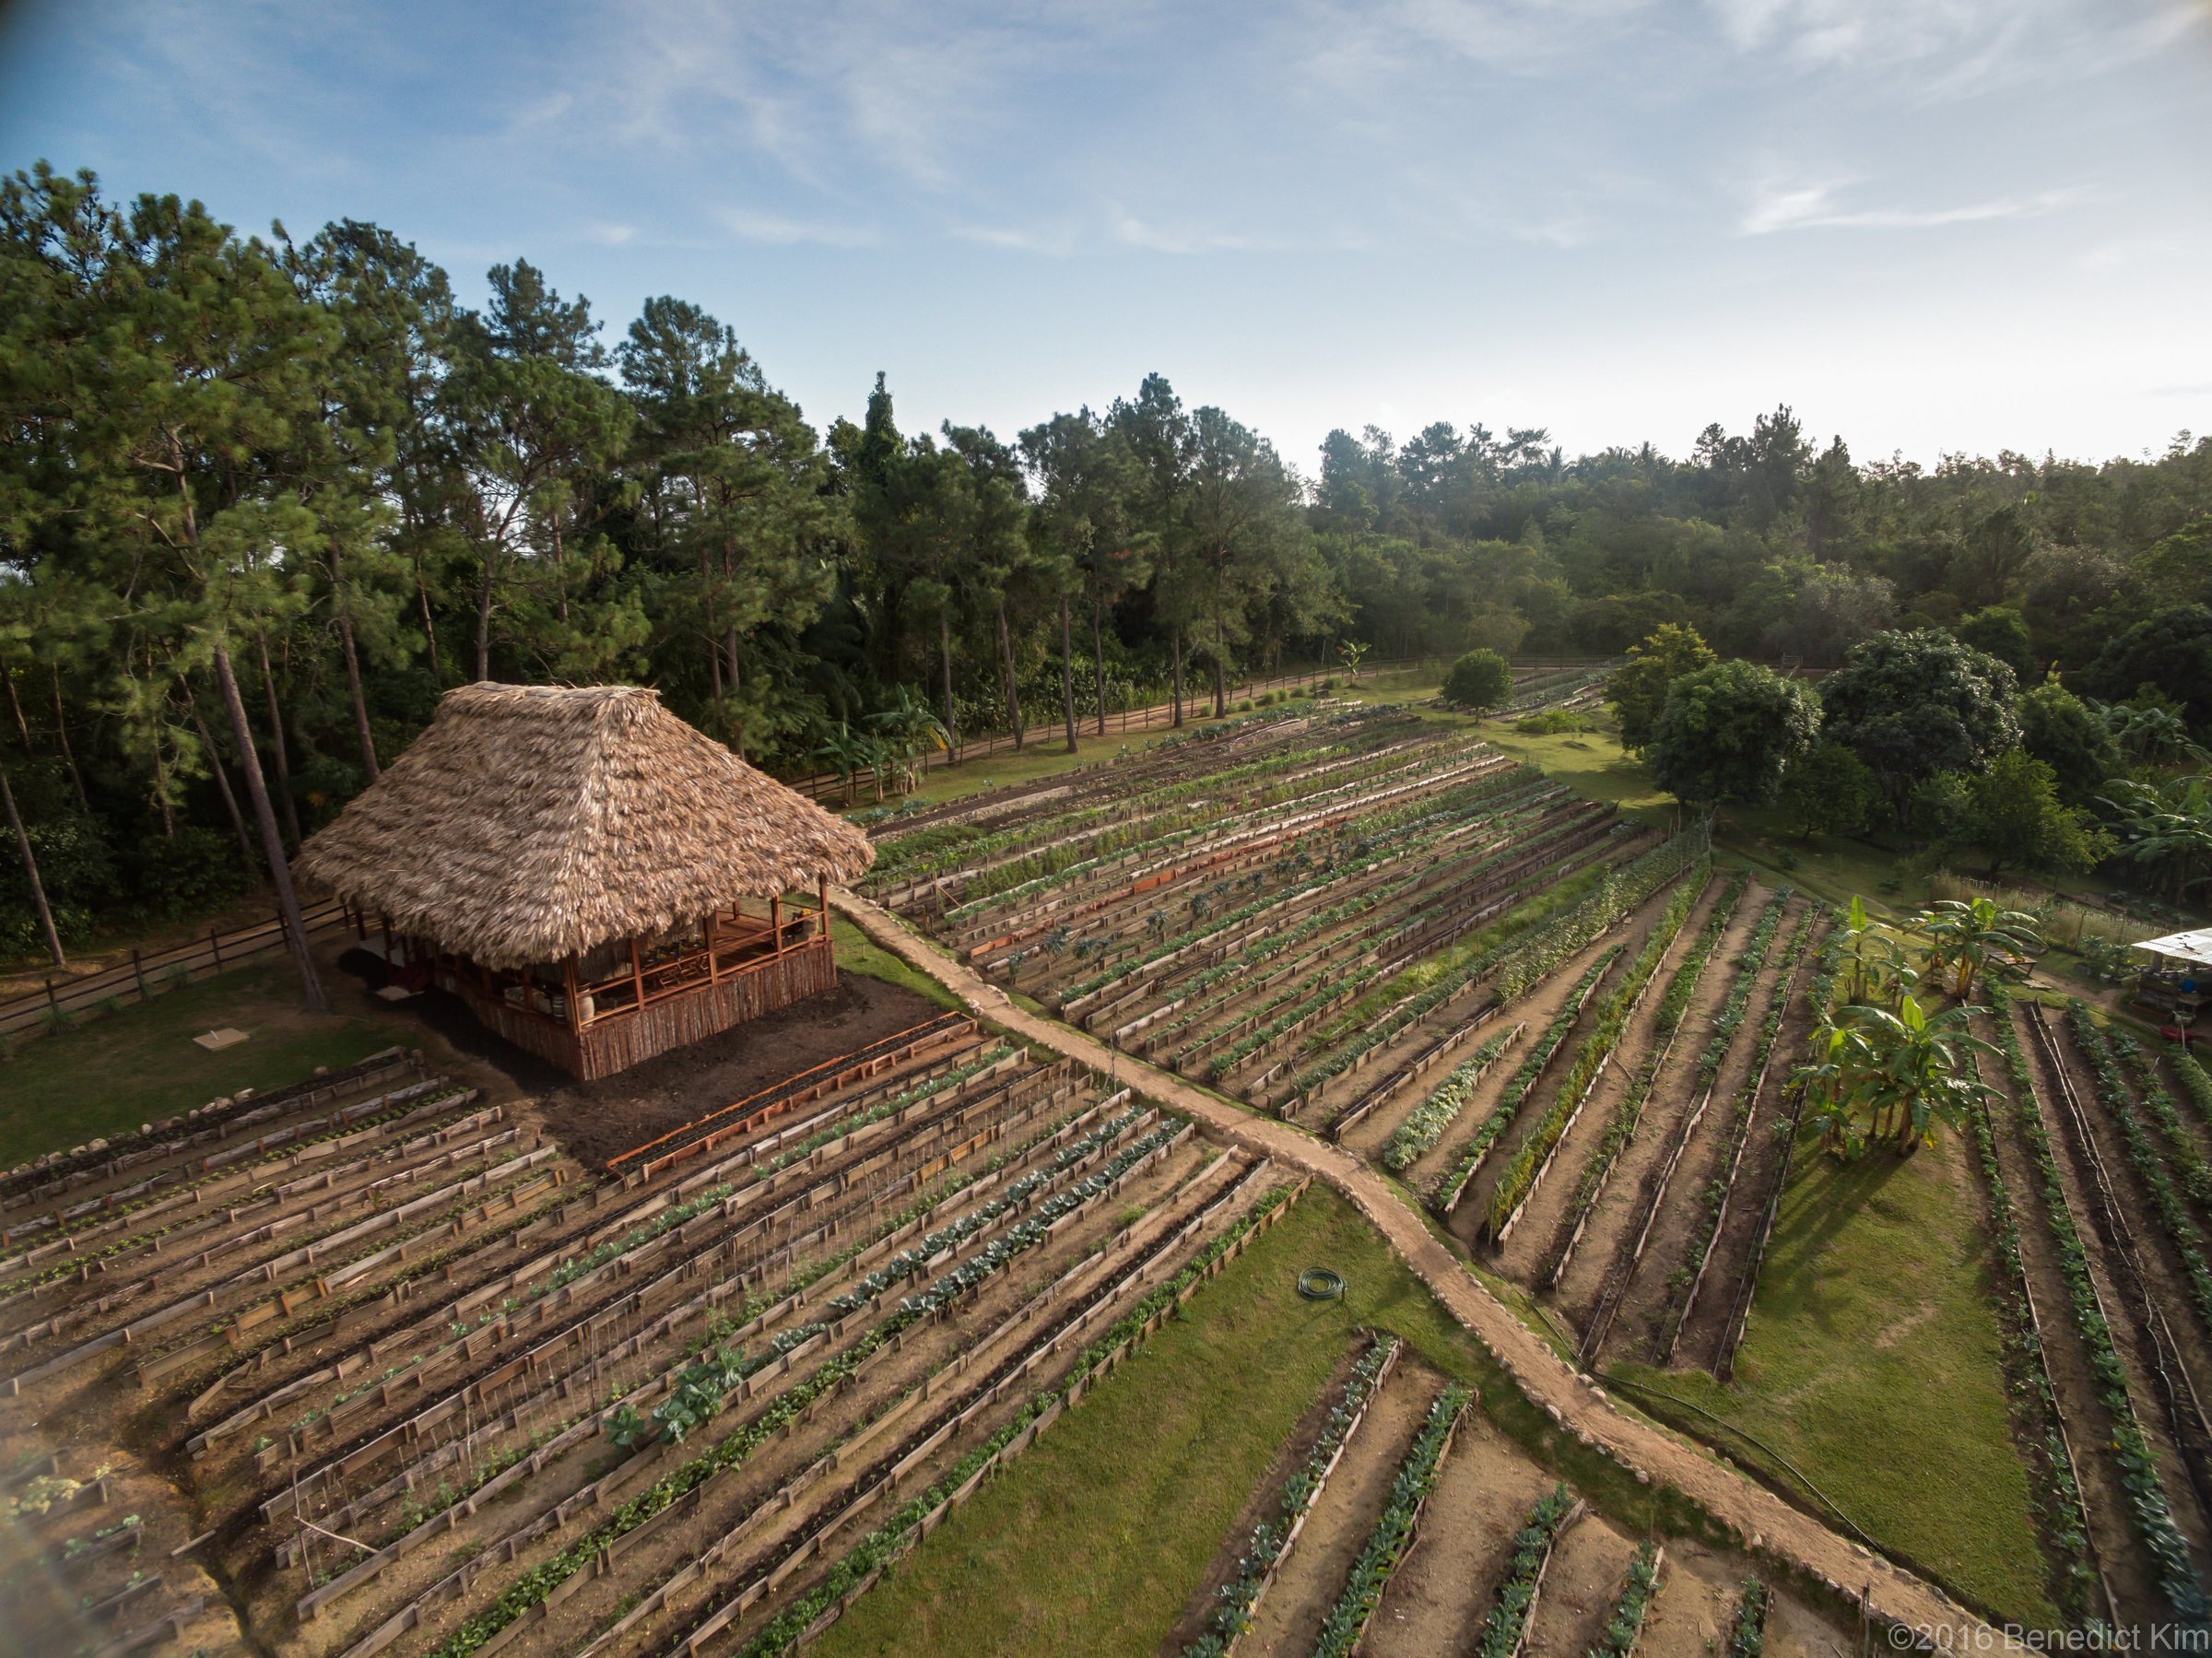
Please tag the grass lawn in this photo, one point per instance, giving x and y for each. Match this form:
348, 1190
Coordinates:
117, 1070
857, 953
1094, 1540
1592, 763
1873, 1364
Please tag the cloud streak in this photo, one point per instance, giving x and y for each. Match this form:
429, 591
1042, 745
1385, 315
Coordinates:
775, 229
1814, 207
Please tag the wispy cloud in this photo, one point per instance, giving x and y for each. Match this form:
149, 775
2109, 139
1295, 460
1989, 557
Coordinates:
1052, 241
1186, 235
774, 230
1814, 207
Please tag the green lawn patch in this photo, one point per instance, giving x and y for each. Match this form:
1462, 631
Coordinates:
1592, 763
1873, 1365
857, 953
1094, 1540
117, 1070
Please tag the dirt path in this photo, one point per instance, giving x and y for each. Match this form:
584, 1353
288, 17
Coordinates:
1768, 1525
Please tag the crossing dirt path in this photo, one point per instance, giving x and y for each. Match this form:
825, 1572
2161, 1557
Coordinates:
1765, 1522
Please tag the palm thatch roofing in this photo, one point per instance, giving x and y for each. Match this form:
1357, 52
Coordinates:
530, 823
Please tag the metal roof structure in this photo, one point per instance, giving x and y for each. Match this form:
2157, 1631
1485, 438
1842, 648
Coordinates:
2183, 947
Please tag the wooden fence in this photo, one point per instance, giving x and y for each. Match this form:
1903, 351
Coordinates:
148, 974
1043, 735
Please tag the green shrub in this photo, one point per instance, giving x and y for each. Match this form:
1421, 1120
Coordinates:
1480, 680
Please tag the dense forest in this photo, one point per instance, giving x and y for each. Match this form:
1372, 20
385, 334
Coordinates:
261, 499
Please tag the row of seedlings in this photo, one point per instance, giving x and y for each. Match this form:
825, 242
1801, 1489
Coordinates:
1398, 848
2148, 1497
862, 1567
921, 859
369, 1200
1410, 918
1505, 1629
1501, 970
985, 888
37, 1195
2079, 1586
1738, 1141
1533, 1158
895, 1344
1230, 1614
1624, 1620
2147, 1160
1373, 896
1386, 1545
1819, 1002
1638, 1235
1453, 1183
640, 1344
1627, 1117
1410, 950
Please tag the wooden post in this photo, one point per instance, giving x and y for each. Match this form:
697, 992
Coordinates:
51, 1000
138, 972
775, 917
637, 971
713, 966
823, 891
383, 923
575, 1008
361, 924
215, 943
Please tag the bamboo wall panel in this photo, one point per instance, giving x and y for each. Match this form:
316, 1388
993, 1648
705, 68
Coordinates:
620, 1041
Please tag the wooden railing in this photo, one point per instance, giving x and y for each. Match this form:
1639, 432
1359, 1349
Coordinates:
1197, 704
150, 973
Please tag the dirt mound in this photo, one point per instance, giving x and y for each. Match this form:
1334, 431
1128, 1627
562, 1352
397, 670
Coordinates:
596, 1119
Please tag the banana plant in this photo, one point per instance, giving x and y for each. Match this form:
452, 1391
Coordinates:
1913, 1071
1966, 940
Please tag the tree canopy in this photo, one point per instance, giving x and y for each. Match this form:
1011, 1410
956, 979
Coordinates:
1480, 680
1730, 731
1913, 704
262, 498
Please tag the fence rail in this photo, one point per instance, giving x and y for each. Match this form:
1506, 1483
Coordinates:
146, 975
829, 786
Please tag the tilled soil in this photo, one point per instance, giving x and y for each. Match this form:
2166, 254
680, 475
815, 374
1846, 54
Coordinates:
1655, 1288
1588, 1563
1671, 1099
2087, 1423
1541, 1233
1339, 1526
1707, 1330
1444, 1586
2131, 1337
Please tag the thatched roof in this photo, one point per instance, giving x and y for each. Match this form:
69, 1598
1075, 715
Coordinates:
531, 822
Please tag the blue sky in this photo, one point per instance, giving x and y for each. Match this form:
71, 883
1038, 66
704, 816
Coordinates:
1930, 225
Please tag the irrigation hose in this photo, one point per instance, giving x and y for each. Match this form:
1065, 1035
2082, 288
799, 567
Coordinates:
1322, 1284
1611, 1379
